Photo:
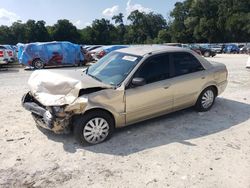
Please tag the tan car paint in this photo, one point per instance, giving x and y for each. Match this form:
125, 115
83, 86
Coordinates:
148, 101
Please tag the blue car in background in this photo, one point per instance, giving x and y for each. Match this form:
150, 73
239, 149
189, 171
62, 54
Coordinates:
231, 48
39, 55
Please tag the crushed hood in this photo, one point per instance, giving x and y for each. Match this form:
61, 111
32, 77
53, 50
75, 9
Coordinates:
56, 88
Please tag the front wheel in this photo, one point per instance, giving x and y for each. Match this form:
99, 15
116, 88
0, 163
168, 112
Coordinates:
206, 100
38, 64
93, 127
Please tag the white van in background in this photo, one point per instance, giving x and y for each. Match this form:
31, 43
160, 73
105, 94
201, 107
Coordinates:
6, 55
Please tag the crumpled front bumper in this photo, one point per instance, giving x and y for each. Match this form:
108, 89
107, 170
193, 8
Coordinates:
44, 117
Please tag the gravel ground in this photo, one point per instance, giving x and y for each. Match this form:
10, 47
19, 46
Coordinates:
183, 149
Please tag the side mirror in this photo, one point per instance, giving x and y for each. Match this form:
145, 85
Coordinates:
138, 81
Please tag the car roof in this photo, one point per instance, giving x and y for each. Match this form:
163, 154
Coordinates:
144, 50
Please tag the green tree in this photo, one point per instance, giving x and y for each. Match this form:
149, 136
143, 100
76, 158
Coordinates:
163, 36
234, 20
42, 32
211, 21
121, 29
31, 31
144, 27
18, 30
6, 36
103, 32
64, 30
179, 32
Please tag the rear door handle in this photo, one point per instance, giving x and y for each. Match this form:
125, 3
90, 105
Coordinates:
203, 77
166, 87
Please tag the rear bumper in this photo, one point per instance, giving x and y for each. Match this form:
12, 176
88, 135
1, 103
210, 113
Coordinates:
4, 62
11, 60
43, 117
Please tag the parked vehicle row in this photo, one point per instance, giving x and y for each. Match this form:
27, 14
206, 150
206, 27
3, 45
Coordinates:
201, 50
210, 50
39, 55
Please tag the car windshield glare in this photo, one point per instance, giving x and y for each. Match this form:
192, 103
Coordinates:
113, 68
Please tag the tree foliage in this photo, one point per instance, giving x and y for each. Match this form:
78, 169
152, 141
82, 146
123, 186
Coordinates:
211, 21
190, 21
64, 30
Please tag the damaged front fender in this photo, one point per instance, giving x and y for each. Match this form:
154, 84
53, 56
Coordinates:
78, 106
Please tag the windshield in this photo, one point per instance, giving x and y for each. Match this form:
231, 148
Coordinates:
113, 68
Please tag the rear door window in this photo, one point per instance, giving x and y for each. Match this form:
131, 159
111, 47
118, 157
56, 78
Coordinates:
185, 63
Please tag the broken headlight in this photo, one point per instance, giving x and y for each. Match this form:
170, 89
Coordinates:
58, 111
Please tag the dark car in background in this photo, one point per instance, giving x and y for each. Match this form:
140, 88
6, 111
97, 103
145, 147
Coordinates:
231, 48
213, 47
206, 52
187, 46
245, 49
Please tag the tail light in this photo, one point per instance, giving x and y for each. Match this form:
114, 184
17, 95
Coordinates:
102, 53
1, 53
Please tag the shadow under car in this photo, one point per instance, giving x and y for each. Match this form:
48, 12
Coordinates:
175, 127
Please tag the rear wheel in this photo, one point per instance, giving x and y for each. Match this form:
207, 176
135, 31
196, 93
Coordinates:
207, 54
93, 127
38, 64
206, 100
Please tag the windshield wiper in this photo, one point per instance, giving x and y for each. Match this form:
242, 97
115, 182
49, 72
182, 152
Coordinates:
98, 79
86, 70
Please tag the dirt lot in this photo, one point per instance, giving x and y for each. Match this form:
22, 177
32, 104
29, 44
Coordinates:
184, 149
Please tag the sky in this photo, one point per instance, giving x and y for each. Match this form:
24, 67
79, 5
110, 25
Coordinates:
80, 12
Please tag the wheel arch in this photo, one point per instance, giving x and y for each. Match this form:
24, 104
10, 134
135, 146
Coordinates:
96, 109
215, 89
37, 58
213, 85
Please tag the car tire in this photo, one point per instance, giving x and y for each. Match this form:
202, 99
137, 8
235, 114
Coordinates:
207, 54
93, 127
38, 64
206, 100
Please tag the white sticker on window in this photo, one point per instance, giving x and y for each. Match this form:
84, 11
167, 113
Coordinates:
129, 58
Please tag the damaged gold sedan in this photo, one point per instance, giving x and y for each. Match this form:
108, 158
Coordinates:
124, 87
